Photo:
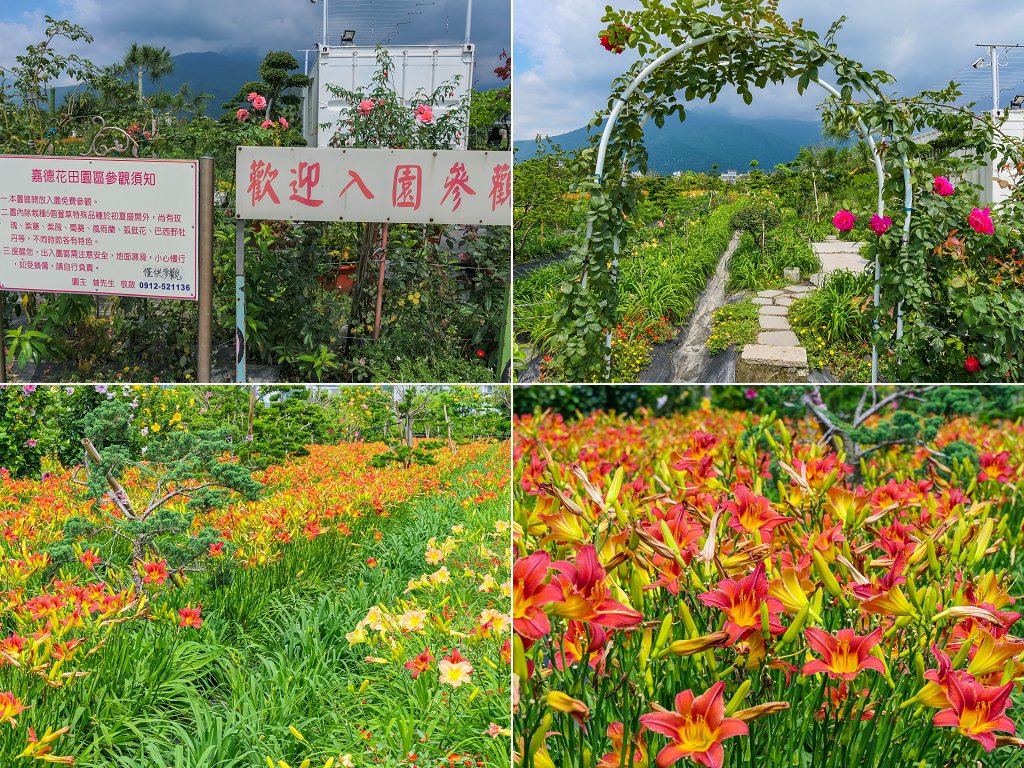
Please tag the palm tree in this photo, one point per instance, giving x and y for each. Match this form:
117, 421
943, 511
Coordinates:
148, 59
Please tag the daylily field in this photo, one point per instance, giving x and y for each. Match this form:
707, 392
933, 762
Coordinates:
348, 616
724, 588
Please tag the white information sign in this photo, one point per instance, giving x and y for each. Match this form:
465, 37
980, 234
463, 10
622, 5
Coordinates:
406, 186
100, 226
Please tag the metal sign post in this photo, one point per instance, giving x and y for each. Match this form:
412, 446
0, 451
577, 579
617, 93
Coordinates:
240, 375
204, 351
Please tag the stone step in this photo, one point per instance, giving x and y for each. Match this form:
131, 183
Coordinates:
773, 310
770, 364
778, 338
774, 323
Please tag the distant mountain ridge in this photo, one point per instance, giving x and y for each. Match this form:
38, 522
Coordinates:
219, 74
705, 139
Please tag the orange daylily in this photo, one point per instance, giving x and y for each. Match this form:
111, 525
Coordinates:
696, 728
614, 759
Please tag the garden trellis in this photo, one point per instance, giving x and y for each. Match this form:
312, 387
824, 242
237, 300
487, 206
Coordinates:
740, 47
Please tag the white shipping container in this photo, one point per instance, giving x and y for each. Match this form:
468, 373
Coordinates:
419, 69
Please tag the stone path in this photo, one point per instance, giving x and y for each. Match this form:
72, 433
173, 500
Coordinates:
777, 357
835, 255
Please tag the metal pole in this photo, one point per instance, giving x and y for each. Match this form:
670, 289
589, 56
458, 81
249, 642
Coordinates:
993, 55
205, 287
380, 282
469, 18
240, 301
324, 41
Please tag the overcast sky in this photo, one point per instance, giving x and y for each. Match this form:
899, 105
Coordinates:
562, 74
187, 26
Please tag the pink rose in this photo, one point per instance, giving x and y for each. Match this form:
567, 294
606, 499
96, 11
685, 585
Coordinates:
843, 221
252, 96
942, 186
365, 106
880, 224
981, 222
242, 115
424, 113
283, 122
259, 102
267, 124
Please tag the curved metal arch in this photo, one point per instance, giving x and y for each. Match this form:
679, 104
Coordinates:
621, 101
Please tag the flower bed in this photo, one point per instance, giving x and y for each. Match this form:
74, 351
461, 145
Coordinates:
723, 589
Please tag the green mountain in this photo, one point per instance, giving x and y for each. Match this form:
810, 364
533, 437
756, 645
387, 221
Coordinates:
705, 139
219, 74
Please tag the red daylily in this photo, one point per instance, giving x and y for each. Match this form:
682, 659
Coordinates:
697, 728
977, 710
190, 617
741, 602
530, 593
750, 512
845, 654
585, 594
420, 664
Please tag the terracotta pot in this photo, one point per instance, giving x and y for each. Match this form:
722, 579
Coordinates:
346, 278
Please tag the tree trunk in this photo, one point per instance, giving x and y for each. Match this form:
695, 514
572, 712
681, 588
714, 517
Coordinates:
448, 424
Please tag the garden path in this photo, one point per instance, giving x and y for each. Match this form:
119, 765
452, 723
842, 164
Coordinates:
690, 361
836, 254
778, 355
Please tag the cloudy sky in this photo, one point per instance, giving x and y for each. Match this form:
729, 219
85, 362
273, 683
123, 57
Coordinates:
186, 26
562, 75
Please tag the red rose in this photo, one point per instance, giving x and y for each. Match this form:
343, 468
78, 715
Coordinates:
972, 364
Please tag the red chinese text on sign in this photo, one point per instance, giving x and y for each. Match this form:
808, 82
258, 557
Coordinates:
307, 177
501, 185
358, 181
261, 178
407, 189
457, 183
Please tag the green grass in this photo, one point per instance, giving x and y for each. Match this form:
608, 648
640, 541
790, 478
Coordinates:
733, 324
834, 325
272, 654
757, 266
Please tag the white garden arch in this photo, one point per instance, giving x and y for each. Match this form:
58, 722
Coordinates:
621, 101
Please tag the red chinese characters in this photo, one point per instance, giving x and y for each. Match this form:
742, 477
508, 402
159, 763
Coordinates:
407, 189
308, 176
455, 184
501, 185
356, 179
261, 179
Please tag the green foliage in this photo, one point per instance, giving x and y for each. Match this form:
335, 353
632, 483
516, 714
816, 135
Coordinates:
759, 261
733, 325
839, 310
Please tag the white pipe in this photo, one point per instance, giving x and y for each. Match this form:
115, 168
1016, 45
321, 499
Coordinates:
469, 18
